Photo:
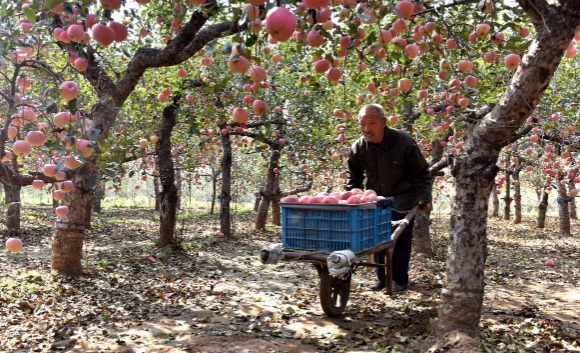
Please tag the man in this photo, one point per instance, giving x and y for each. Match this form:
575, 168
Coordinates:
394, 166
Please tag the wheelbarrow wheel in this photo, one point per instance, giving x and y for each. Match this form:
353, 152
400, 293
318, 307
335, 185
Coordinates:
334, 292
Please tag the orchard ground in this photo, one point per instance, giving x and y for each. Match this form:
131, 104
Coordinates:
216, 296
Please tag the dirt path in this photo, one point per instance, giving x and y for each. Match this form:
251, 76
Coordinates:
216, 296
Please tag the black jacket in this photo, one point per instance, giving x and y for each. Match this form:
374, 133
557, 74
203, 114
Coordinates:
395, 167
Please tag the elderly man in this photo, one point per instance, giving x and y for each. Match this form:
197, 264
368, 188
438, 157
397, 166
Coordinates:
394, 166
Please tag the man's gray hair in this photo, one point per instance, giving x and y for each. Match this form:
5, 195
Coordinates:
372, 107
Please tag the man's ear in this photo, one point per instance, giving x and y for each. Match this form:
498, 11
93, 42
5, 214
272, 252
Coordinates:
384, 121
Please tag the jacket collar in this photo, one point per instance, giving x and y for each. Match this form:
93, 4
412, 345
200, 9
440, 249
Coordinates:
385, 142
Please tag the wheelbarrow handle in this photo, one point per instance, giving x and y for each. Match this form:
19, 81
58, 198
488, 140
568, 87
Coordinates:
401, 227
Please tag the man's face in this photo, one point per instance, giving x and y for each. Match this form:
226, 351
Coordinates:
372, 126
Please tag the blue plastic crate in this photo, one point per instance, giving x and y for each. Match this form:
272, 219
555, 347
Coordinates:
330, 228
383, 224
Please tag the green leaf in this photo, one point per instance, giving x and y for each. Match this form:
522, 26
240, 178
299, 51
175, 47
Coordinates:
251, 40
96, 134
59, 167
227, 49
131, 173
67, 8
72, 107
30, 16
109, 172
363, 17
84, 171
51, 109
91, 181
51, 4
210, 49
243, 18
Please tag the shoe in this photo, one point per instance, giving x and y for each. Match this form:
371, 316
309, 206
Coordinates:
398, 288
377, 286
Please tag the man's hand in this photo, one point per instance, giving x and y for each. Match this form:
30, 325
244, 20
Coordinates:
424, 206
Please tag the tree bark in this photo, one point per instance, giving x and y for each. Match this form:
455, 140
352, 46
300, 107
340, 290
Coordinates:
98, 197
517, 198
168, 196
88, 213
572, 204
421, 233
421, 236
214, 191
276, 211
69, 232
275, 204
563, 208
226, 195
257, 202
12, 195
495, 201
542, 210
157, 195
178, 186
475, 169
269, 191
507, 199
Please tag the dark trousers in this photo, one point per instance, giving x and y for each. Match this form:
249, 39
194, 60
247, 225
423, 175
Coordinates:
401, 255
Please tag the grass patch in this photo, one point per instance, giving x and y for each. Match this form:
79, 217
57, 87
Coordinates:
100, 263
31, 282
191, 245
122, 221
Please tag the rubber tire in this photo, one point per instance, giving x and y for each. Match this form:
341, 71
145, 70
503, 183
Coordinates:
331, 286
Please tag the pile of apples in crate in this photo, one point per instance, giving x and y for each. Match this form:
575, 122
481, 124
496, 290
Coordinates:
353, 197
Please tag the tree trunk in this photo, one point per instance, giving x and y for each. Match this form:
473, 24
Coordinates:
257, 202
462, 296
563, 208
98, 195
475, 169
12, 195
178, 186
262, 216
542, 210
572, 204
517, 199
276, 212
168, 196
269, 191
157, 195
69, 232
226, 196
494, 201
214, 191
507, 199
421, 236
275, 204
88, 215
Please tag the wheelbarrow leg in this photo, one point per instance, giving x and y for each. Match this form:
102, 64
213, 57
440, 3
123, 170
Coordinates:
388, 271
